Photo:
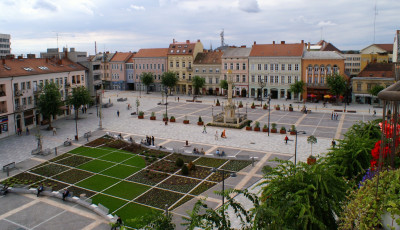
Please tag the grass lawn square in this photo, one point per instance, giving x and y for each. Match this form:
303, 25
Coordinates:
148, 177
97, 182
132, 210
80, 150
74, 161
78, 191
120, 171
65, 155
94, 152
202, 188
184, 200
127, 190
72, 176
50, 170
164, 166
173, 157
96, 165
109, 202
159, 198
210, 162
236, 165
179, 184
116, 157
136, 161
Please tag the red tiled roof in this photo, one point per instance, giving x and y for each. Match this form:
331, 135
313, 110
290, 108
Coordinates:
34, 66
284, 50
157, 52
387, 47
121, 57
378, 70
181, 48
130, 60
208, 58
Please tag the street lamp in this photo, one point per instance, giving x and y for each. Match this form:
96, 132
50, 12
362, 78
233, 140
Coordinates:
262, 84
295, 146
214, 170
166, 102
269, 110
246, 107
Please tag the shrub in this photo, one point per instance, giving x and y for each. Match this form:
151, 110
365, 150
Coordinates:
273, 125
240, 103
200, 120
185, 170
172, 117
153, 114
283, 128
179, 162
217, 102
265, 126
252, 105
141, 113
257, 124
293, 128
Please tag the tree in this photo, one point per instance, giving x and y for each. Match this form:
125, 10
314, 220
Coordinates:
297, 87
147, 79
311, 140
80, 96
337, 85
49, 101
169, 79
376, 89
198, 83
224, 84
154, 221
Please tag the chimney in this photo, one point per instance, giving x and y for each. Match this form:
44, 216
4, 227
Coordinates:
198, 40
173, 41
255, 43
31, 56
273, 42
302, 41
282, 42
65, 49
20, 57
308, 46
187, 41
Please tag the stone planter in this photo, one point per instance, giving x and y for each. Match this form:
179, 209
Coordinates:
388, 220
171, 120
153, 118
265, 107
253, 107
240, 106
140, 117
274, 130
217, 104
291, 109
311, 160
292, 133
165, 119
265, 130
248, 128
185, 121
257, 129
278, 108
200, 123
282, 131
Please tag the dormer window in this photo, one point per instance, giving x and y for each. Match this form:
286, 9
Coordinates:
43, 67
172, 51
179, 46
28, 69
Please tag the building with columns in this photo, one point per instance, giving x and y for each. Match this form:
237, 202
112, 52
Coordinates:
180, 60
276, 67
208, 66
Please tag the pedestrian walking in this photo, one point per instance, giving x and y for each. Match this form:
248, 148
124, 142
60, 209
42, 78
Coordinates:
54, 131
332, 116
118, 113
83, 109
204, 129
27, 130
152, 140
333, 143
286, 139
374, 113
216, 135
178, 99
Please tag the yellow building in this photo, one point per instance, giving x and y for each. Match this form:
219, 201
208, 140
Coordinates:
181, 56
376, 53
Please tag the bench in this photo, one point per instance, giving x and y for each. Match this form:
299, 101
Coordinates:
67, 143
351, 111
88, 134
9, 166
338, 110
122, 99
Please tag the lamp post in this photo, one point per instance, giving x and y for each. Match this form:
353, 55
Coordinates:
262, 84
246, 107
269, 110
295, 147
166, 101
101, 105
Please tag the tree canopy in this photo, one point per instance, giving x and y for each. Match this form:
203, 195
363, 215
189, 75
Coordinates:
147, 79
49, 102
337, 84
297, 87
376, 89
223, 84
169, 79
79, 96
198, 83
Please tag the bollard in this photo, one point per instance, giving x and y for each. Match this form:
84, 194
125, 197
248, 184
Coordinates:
8, 172
55, 151
187, 143
166, 209
252, 161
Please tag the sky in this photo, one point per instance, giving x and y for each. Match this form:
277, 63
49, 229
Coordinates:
129, 25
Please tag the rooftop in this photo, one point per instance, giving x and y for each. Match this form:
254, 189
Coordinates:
182, 48
121, 56
322, 55
273, 50
385, 70
156, 52
213, 57
236, 52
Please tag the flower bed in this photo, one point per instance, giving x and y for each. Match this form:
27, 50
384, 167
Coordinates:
236, 165
55, 185
164, 166
217, 176
154, 153
202, 187
65, 155
72, 176
74, 161
200, 172
50, 170
179, 184
159, 198
134, 148
23, 178
184, 200
210, 162
173, 157
78, 191
117, 144
149, 160
99, 141
148, 177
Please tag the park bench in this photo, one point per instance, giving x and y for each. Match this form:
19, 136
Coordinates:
9, 166
351, 111
338, 110
199, 101
88, 134
122, 99
67, 143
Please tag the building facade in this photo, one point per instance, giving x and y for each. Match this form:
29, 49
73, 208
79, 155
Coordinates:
105, 68
275, 67
21, 84
153, 61
180, 60
207, 65
5, 45
352, 62
236, 59
118, 70
376, 53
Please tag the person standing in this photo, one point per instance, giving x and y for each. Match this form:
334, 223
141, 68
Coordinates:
374, 113
204, 129
40, 189
332, 116
333, 143
152, 140
118, 113
178, 99
27, 130
54, 131
286, 139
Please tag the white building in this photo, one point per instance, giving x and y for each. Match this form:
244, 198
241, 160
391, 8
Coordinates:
5, 45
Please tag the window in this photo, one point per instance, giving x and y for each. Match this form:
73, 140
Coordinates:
265, 66
225, 65
217, 80
190, 76
244, 78
259, 78
22, 85
253, 78
259, 67
276, 79
28, 85
368, 85
276, 67
24, 101
238, 78
358, 86
289, 67
322, 69
204, 70
237, 66
210, 70
177, 64
266, 79
171, 64
296, 67
335, 69
190, 64
252, 66
183, 64
225, 77
210, 80
162, 67
51, 80
322, 80
282, 79
183, 76
158, 66
309, 69
296, 78
316, 69
244, 66
271, 79
29, 100
217, 70
283, 67
289, 79
315, 80
271, 67
231, 65
196, 70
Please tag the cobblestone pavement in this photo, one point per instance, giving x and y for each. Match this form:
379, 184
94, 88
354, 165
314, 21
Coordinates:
238, 142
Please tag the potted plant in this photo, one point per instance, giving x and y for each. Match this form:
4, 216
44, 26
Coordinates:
253, 106
200, 122
165, 118
240, 104
186, 121
273, 129
172, 119
265, 128
217, 104
248, 127
283, 130
265, 106
141, 115
290, 108
277, 107
153, 116
311, 140
293, 130
257, 126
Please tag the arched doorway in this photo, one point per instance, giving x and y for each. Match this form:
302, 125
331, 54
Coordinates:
18, 122
244, 92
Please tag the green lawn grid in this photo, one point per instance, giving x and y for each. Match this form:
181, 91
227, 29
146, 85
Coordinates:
109, 180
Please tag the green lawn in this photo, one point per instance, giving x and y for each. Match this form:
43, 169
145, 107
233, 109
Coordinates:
109, 202
97, 182
79, 150
92, 152
116, 157
136, 161
120, 171
134, 210
96, 165
127, 190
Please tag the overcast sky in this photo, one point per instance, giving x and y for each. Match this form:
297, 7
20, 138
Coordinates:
128, 25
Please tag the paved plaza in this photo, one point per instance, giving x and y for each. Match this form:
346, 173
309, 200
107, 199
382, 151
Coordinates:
174, 135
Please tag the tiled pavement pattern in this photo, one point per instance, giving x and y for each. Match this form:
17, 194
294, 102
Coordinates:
239, 142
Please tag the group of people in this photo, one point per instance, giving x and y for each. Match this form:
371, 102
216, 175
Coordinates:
220, 154
223, 135
334, 116
84, 109
149, 140
196, 151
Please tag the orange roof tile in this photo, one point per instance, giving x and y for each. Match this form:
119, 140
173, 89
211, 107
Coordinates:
387, 47
208, 58
34, 66
284, 50
121, 57
156, 52
377, 70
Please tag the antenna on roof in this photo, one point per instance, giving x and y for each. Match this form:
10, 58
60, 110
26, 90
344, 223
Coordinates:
376, 13
222, 37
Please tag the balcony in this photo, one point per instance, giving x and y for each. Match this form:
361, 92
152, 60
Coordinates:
18, 93
189, 69
19, 108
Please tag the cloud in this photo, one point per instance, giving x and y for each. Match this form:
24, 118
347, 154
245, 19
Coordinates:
325, 23
249, 6
135, 7
42, 4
